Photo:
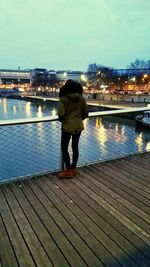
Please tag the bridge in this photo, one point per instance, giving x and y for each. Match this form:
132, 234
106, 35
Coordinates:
101, 217
15, 75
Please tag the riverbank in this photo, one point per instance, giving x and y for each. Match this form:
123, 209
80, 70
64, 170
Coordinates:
96, 102
117, 104
95, 105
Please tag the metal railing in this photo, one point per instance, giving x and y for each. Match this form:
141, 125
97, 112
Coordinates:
32, 147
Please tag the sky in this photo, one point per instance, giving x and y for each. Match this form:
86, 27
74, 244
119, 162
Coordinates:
71, 34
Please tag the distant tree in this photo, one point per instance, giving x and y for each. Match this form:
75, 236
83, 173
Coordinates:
92, 67
99, 75
148, 63
139, 64
39, 77
98, 67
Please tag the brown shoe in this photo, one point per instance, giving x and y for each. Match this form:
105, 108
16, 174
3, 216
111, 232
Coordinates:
74, 170
68, 173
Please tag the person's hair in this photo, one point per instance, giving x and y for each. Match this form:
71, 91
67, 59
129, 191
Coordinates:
70, 87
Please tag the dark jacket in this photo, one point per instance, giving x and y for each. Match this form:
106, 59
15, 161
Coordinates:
72, 111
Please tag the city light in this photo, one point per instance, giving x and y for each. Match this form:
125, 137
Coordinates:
83, 78
39, 84
65, 74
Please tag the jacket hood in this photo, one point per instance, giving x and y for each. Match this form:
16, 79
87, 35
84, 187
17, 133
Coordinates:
74, 97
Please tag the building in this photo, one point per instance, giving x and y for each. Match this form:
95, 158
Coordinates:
63, 75
15, 76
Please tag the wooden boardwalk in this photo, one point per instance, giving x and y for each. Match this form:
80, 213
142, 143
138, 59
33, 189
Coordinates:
100, 218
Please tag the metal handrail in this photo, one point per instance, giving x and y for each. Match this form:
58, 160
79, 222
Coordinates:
55, 118
26, 121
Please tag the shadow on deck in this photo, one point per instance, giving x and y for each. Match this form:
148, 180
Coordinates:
99, 218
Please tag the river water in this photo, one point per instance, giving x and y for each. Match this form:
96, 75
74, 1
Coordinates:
35, 148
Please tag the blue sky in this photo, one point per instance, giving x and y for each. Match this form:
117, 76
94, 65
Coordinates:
70, 34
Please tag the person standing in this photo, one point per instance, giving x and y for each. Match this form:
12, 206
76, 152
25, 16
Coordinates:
72, 111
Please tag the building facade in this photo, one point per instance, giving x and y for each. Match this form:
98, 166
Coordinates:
15, 76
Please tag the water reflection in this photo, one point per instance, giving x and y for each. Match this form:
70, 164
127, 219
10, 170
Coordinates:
104, 138
39, 112
110, 131
54, 112
41, 128
120, 135
101, 134
148, 146
139, 141
14, 109
5, 106
28, 109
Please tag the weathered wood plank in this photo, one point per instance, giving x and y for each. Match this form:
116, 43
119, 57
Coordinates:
136, 165
141, 177
122, 178
80, 199
19, 245
124, 191
126, 175
78, 235
7, 255
141, 218
105, 201
34, 246
99, 218
51, 248
139, 180
46, 211
118, 180
109, 218
105, 241
141, 162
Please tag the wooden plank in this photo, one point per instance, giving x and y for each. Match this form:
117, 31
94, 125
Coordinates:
121, 200
141, 176
142, 162
108, 216
111, 182
122, 177
45, 210
129, 177
77, 234
140, 217
127, 170
119, 180
49, 245
35, 247
7, 255
145, 154
82, 201
138, 156
99, 218
105, 240
135, 168
19, 246
106, 202
135, 158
